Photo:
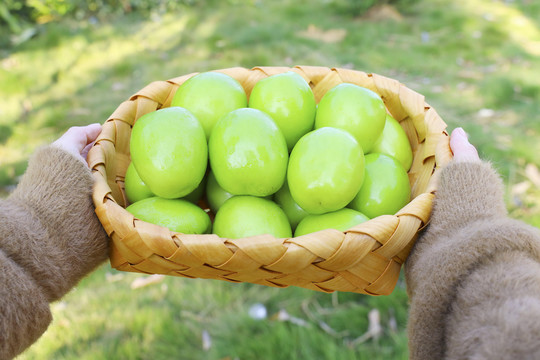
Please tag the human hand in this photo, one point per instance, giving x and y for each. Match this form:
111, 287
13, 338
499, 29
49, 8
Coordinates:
463, 150
78, 140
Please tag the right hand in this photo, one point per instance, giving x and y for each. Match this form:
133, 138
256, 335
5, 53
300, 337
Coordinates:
463, 150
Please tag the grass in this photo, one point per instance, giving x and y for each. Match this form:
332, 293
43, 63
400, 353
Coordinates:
476, 61
105, 318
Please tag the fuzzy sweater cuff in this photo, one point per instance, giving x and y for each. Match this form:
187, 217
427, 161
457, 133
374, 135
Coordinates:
468, 228
54, 233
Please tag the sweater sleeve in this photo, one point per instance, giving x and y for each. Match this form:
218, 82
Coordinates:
50, 238
469, 237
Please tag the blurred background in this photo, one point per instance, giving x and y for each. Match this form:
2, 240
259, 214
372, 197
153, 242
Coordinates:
72, 62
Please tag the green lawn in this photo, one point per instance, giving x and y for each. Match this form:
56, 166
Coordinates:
104, 318
476, 61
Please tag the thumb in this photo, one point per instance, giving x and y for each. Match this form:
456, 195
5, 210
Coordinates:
82, 136
77, 138
92, 132
463, 150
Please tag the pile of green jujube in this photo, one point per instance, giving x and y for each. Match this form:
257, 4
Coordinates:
278, 164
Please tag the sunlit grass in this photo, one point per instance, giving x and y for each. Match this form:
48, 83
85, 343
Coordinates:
512, 21
106, 318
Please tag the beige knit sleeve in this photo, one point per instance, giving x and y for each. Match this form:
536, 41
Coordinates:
56, 192
496, 310
468, 229
50, 238
24, 310
466, 193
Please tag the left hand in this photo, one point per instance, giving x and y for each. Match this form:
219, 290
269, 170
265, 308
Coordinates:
78, 140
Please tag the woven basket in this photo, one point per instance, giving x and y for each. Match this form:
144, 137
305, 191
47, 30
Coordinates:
364, 259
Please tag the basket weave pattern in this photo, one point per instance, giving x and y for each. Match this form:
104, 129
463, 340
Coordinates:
364, 259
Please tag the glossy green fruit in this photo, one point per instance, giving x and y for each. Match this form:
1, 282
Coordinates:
135, 188
248, 153
175, 214
358, 110
394, 142
386, 187
341, 220
288, 99
215, 194
210, 96
293, 211
198, 193
244, 216
326, 170
168, 149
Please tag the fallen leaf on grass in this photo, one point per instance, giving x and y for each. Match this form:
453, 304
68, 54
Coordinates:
59, 306
80, 112
486, 113
117, 86
533, 174
283, 315
392, 322
331, 331
382, 13
374, 329
330, 36
503, 142
111, 278
147, 280
520, 188
323, 325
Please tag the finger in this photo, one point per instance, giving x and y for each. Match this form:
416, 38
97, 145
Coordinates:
457, 139
75, 138
80, 136
92, 132
460, 144
84, 152
461, 147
